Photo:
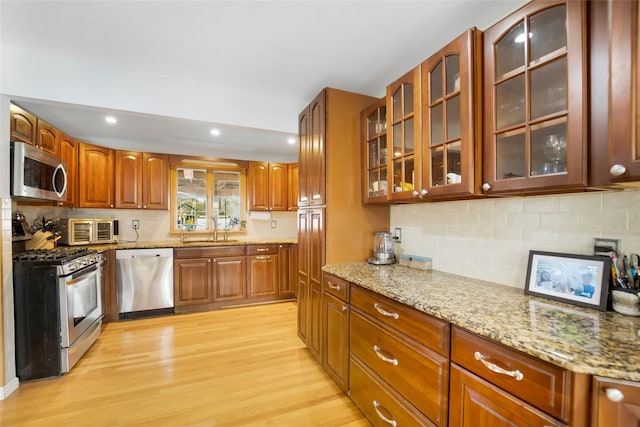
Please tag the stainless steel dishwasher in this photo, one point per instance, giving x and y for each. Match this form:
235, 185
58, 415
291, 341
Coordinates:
144, 279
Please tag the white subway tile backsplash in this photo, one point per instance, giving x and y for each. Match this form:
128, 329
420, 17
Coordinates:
490, 239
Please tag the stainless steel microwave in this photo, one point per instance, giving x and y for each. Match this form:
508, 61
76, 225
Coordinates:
87, 231
36, 174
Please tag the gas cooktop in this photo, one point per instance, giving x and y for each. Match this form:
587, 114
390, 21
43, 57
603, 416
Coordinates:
52, 256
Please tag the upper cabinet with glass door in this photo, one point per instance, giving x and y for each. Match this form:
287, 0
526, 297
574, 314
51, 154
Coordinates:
403, 118
374, 131
535, 99
450, 143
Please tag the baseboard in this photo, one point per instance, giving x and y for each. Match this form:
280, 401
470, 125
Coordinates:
9, 388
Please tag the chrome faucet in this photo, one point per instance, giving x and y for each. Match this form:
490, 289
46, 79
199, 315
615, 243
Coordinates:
215, 228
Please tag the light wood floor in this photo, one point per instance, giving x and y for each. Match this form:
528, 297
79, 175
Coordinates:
236, 367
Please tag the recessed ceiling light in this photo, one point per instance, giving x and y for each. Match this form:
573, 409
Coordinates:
291, 141
215, 132
110, 119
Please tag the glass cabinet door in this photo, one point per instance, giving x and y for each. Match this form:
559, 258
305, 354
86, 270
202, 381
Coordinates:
534, 86
403, 108
375, 152
449, 86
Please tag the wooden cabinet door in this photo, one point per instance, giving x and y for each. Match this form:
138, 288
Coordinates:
258, 186
374, 153
47, 137
304, 143
293, 268
109, 287
616, 403
128, 179
95, 176
285, 285
68, 148
262, 276
304, 302
292, 187
155, 181
535, 99
314, 341
474, 402
278, 195
335, 351
450, 141
403, 117
315, 159
23, 125
229, 278
316, 245
624, 141
192, 281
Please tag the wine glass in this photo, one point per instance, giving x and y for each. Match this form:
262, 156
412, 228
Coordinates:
555, 149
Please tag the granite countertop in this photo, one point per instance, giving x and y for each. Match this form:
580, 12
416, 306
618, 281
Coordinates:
189, 243
578, 339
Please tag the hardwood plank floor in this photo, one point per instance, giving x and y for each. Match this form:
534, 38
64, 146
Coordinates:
237, 367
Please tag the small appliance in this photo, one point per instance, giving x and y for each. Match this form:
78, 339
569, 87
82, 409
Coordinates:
383, 249
88, 231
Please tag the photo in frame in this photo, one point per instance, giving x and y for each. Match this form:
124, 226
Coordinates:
580, 280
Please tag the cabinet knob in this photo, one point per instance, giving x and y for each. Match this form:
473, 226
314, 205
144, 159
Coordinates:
423, 193
415, 193
344, 308
138, 206
614, 395
486, 186
617, 170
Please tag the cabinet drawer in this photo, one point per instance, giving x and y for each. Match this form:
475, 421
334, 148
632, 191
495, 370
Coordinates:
380, 404
262, 250
475, 402
428, 330
419, 374
335, 286
541, 384
209, 252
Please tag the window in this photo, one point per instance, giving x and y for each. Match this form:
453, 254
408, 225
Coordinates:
207, 198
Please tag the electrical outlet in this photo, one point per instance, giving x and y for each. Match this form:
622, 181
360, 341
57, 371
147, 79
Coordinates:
273, 224
397, 234
135, 224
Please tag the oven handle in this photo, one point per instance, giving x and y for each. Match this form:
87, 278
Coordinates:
74, 278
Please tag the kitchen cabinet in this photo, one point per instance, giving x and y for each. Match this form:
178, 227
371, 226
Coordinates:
262, 271
615, 403
287, 270
292, 187
335, 329
451, 119
192, 282
95, 176
614, 44
374, 130
333, 225
68, 148
47, 137
141, 180
497, 382
229, 278
267, 186
109, 286
535, 100
403, 348
403, 117
22, 124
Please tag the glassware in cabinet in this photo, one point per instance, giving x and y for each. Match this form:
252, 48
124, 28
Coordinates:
375, 152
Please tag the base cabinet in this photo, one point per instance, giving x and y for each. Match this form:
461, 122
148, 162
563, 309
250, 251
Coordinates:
229, 278
335, 329
477, 403
192, 282
615, 403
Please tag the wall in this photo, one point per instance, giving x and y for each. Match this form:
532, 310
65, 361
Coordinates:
154, 225
490, 239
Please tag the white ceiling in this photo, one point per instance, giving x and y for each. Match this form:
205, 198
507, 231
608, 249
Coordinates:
172, 70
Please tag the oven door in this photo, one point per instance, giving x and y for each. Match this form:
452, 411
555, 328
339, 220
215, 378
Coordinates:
80, 303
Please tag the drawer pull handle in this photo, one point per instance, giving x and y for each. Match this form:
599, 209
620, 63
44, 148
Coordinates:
614, 395
344, 308
334, 287
384, 358
376, 405
263, 249
384, 312
517, 375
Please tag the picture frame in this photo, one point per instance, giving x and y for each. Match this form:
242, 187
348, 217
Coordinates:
580, 280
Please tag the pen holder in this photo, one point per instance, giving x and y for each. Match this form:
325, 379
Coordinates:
626, 301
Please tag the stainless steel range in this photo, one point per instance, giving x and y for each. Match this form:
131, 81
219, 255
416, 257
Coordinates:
58, 309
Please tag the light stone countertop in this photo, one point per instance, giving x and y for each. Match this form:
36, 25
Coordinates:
578, 339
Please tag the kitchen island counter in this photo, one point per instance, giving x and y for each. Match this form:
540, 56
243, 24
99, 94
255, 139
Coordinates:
578, 339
